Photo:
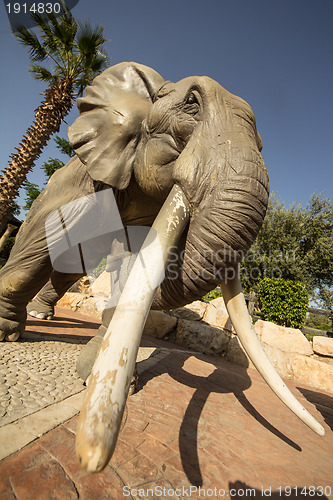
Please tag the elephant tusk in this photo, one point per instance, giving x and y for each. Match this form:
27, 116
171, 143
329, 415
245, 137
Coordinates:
237, 310
109, 381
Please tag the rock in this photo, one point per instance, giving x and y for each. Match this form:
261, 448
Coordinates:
216, 315
323, 346
89, 307
281, 360
71, 300
285, 339
313, 372
237, 355
84, 285
159, 324
100, 289
201, 338
192, 312
102, 284
80, 302
81, 286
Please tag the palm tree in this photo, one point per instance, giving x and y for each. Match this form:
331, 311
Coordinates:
52, 165
76, 56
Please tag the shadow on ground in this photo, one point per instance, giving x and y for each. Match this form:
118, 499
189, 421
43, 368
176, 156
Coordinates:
323, 403
62, 323
220, 381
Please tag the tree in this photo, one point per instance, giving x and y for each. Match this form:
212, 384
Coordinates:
6, 237
52, 165
296, 244
75, 54
32, 192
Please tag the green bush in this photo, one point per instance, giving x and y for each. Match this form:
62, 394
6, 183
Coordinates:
100, 268
213, 294
283, 302
319, 322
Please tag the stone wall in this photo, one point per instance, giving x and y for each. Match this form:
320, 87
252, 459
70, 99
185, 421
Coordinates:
206, 328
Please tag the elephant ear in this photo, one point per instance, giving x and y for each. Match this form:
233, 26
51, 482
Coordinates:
106, 133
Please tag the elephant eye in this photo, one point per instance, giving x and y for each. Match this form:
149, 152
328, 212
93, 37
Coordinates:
191, 99
191, 104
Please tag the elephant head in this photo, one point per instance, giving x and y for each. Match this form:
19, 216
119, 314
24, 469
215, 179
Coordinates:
195, 139
137, 128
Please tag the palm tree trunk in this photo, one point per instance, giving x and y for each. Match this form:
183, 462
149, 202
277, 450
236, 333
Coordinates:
48, 117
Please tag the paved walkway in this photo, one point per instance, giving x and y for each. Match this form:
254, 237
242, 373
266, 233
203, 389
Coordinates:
198, 426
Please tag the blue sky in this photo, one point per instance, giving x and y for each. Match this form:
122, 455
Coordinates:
277, 55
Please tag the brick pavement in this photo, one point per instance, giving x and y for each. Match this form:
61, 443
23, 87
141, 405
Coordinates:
196, 422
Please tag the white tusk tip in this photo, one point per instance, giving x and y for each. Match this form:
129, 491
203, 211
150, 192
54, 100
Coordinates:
319, 430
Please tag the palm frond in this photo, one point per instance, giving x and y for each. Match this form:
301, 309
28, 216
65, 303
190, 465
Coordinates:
89, 39
83, 81
29, 39
42, 73
47, 35
95, 62
67, 33
88, 69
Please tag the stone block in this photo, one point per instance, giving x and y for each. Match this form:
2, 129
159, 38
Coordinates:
236, 354
281, 360
159, 324
71, 300
201, 338
192, 312
286, 339
216, 315
323, 346
313, 372
102, 284
80, 302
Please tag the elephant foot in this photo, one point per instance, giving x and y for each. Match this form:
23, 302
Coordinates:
12, 318
10, 330
40, 311
88, 355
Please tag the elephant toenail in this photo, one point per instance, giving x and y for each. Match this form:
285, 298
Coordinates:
12, 337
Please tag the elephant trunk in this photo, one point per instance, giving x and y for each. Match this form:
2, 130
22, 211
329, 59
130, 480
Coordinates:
225, 180
236, 307
110, 378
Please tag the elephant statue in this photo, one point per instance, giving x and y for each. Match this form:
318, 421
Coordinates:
181, 157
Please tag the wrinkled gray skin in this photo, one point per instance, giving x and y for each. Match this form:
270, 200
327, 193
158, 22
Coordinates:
140, 135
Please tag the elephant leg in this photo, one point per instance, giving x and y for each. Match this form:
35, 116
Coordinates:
29, 266
42, 305
20, 280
